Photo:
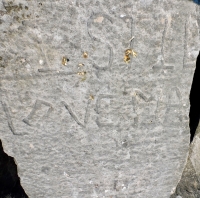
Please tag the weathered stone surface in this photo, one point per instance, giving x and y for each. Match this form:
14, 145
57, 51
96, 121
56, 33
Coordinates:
121, 130
194, 156
189, 185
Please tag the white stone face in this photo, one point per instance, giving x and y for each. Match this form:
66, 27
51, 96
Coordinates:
92, 125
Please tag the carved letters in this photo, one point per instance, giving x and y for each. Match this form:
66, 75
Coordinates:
38, 105
10, 123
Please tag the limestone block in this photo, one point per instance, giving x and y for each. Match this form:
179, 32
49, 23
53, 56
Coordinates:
79, 121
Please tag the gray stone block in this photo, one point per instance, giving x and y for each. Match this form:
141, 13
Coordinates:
95, 126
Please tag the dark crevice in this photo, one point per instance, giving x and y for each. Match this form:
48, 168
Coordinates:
10, 186
195, 100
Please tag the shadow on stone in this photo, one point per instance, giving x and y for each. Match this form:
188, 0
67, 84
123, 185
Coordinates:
189, 185
195, 100
10, 186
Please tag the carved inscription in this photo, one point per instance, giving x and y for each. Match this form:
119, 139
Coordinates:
75, 117
164, 65
141, 95
10, 123
34, 113
98, 40
173, 115
115, 111
189, 56
90, 21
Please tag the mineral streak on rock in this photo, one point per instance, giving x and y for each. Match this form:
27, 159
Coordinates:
132, 138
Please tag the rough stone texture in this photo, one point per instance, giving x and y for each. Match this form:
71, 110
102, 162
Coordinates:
132, 139
189, 185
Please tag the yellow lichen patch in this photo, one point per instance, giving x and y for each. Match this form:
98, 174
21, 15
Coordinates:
80, 64
128, 52
85, 55
82, 73
127, 59
127, 55
64, 61
134, 53
91, 97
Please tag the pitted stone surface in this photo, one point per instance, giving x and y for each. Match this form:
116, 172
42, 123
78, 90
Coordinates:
121, 130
